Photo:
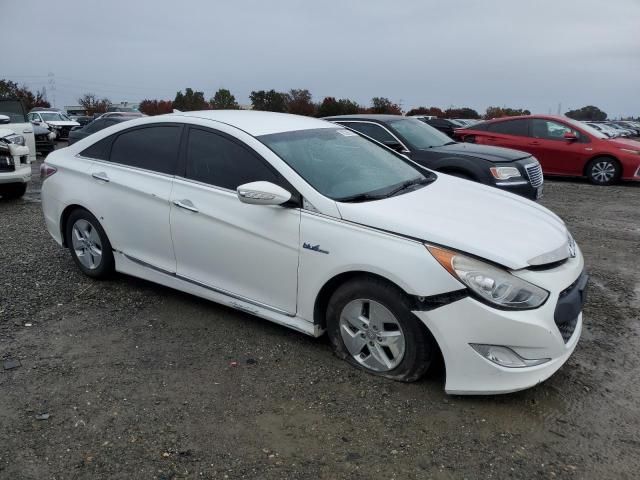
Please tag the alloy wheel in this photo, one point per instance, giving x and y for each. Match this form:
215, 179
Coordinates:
86, 244
603, 171
372, 335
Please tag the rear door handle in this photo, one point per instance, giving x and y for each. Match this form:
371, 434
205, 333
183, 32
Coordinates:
100, 176
186, 204
534, 143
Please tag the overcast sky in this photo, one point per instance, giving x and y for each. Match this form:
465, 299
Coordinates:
527, 54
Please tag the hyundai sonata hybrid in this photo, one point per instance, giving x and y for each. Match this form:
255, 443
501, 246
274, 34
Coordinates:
307, 224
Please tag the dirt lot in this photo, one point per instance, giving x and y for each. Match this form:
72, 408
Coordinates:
137, 381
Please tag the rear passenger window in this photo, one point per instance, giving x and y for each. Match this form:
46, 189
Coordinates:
99, 150
510, 127
215, 160
370, 130
152, 148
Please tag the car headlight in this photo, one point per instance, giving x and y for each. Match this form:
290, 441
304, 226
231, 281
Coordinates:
15, 139
505, 173
489, 283
629, 150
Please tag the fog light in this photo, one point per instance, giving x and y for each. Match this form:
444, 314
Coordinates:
505, 357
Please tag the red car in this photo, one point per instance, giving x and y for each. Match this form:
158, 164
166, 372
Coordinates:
562, 146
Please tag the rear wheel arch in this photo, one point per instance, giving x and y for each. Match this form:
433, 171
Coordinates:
64, 217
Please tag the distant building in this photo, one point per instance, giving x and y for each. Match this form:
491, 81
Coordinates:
114, 107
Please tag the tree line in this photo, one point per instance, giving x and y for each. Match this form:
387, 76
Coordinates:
296, 101
300, 102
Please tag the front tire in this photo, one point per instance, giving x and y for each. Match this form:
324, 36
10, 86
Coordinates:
603, 171
370, 325
89, 245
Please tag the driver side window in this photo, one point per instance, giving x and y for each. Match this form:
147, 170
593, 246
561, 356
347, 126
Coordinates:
550, 130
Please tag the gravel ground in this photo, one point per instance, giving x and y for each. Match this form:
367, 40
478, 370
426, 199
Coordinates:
127, 379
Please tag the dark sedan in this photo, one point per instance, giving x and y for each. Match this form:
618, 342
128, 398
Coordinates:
511, 170
98, 124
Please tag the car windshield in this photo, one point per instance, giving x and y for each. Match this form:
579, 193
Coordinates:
418, 134
344, 166
53, 116
587, 128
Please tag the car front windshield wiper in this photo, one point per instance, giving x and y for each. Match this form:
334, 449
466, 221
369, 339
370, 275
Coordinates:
365, 197
409, 184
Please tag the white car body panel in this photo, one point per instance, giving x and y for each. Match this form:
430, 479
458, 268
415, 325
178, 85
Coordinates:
22, 172
225, 239
26, 130
273, 262
466, 224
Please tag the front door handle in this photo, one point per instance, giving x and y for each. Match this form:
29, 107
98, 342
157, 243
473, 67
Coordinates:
100, 176
534, 143
186, 204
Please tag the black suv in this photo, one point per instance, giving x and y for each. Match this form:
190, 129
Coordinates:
511, 170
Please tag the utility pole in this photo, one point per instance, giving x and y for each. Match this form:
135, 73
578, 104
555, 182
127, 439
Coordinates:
52, 86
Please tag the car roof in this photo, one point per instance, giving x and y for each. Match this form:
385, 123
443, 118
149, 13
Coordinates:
256, 122
364, 116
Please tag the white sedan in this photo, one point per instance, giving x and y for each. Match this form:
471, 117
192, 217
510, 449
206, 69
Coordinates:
309, 225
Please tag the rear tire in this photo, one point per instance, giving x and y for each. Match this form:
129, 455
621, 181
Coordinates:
382, 336
89, 245
603, 171
13, 191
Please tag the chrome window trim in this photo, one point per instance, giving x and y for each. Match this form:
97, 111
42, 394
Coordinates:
122, 165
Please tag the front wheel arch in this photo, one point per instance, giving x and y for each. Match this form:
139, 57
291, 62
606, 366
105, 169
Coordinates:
588, 163
328, 289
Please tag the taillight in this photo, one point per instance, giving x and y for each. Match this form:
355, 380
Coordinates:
46, 171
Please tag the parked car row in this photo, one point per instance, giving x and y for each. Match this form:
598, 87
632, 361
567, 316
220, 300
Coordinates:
397, 263
562, 146
618, 128
510, 170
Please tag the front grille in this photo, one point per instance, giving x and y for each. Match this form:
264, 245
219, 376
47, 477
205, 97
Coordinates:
534, 172
6, 164
567, 329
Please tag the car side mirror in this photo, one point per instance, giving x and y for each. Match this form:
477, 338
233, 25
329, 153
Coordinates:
570, 136
4, 119
262, 193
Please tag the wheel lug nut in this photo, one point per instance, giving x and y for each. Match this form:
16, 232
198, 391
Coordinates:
364, 325
379, 339
362, 335
375, 328
371, 344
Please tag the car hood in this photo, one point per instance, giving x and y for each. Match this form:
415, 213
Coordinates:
63, 123
625, 143
469, 217
5, 132
485, 152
